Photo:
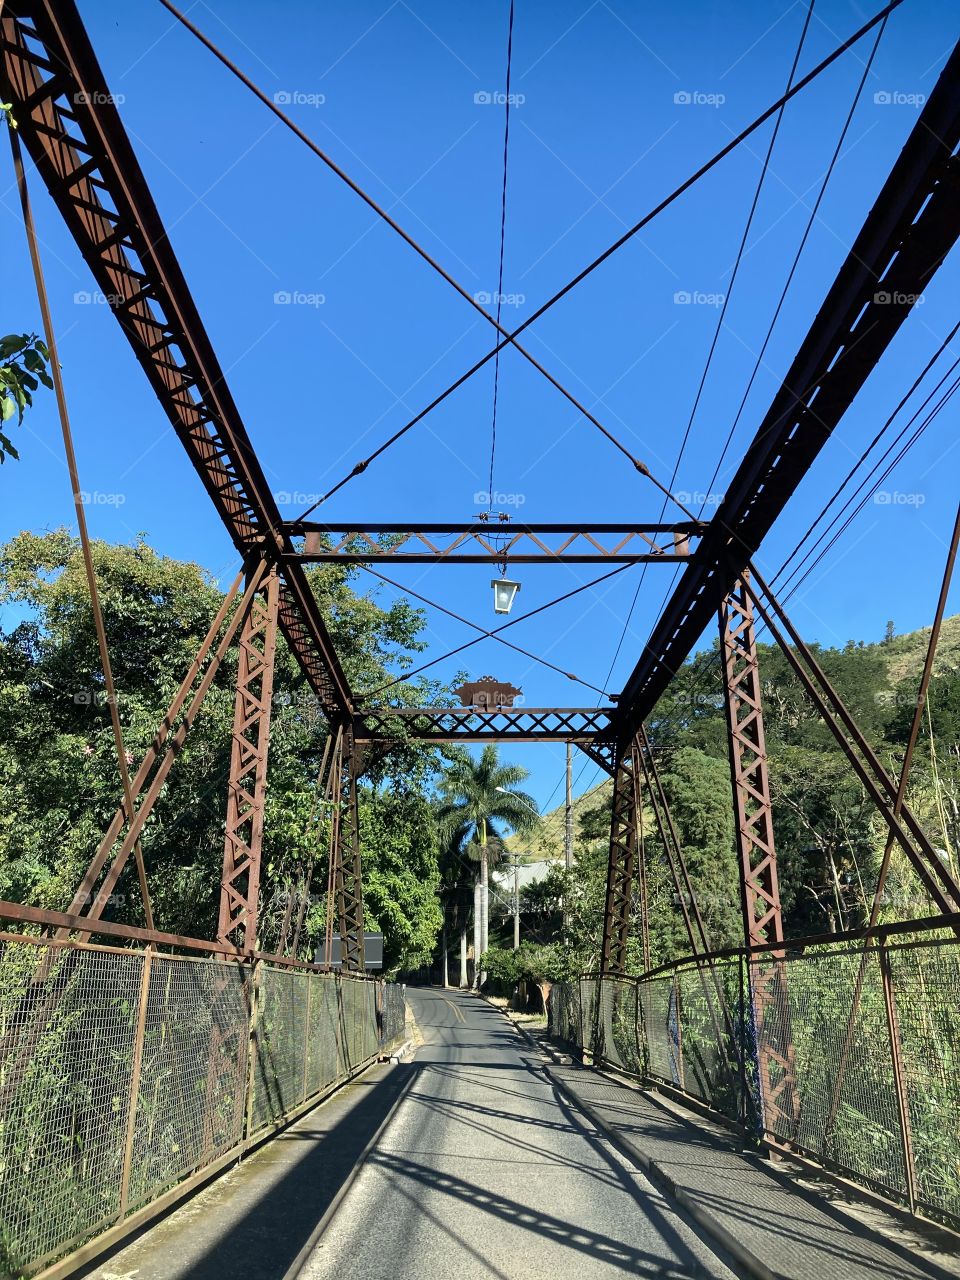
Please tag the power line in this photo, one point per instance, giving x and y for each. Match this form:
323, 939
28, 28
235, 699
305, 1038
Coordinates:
718, 330
484, 633
510, 338
503, 235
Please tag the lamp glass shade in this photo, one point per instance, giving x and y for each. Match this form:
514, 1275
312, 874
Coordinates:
503, 593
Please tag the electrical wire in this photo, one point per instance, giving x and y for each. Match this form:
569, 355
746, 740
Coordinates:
503, 236
484, 633
586, 586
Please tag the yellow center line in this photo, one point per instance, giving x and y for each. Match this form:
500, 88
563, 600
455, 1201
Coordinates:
457, 1011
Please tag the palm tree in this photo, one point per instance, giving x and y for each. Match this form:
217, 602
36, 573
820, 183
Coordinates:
478, 800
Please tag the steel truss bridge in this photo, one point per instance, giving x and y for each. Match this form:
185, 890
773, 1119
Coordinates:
74, 137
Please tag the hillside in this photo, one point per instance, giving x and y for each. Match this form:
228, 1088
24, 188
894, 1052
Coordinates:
904, 657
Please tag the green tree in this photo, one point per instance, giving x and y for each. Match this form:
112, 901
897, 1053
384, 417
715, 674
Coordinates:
59, 783
479, 800
23, 367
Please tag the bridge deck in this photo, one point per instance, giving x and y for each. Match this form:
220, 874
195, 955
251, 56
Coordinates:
470, 1162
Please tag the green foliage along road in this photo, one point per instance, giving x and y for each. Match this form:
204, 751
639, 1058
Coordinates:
58, 775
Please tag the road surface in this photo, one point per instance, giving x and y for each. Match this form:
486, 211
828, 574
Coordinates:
483, 1170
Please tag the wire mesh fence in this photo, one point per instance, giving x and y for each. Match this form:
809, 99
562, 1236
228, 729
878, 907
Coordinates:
124, 1072
847, 1053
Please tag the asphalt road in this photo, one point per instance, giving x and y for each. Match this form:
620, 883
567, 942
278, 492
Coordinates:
484, 1170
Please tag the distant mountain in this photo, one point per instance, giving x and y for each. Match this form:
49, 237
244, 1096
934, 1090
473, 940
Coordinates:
904, 656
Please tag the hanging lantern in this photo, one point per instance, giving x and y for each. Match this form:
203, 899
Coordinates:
503, 593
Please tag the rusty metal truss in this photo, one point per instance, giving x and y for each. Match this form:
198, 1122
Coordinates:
347, 872
753, 809
246, 796
490, 542
756, 851
68, 122
622, 861
581, 725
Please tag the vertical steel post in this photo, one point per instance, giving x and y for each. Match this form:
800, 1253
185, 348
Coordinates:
348, 877
899, 1082
757, 855
135, 1073
246, 798
253, 1045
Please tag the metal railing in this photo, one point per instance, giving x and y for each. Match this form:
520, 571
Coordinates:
868, 1030
125, 1073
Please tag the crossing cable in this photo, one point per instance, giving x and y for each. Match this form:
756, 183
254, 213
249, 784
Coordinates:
787, 592
586, 586
865, 454
719, 328
503, 236
484, 633
796, 259
86, 549
510, 338
776, 315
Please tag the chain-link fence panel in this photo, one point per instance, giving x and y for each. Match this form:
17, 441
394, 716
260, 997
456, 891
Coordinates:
926, 983
394, 1015
279, 1045
709, 1000
588, 1011
564, 1011
193, 1073
322, 1068
124, 1072
618, 1025
660, 1014
845, 1108
68, 1022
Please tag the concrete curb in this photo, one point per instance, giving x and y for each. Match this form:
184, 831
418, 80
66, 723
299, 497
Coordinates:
748, 1261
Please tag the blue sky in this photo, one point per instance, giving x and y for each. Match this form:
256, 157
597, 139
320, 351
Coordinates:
616, 103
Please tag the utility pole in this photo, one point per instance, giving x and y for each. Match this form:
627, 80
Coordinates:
516, 904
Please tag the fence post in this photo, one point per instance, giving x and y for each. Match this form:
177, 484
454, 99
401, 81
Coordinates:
899, 1083
306, 1036
135, 1071
252, 1049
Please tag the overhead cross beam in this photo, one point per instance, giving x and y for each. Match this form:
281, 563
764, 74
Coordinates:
906, 236
67, 120
589, 725
493, 542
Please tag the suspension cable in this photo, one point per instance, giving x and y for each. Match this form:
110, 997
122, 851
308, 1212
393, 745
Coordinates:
484, 633
503, 235
510, 338
719, 328
586, 586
